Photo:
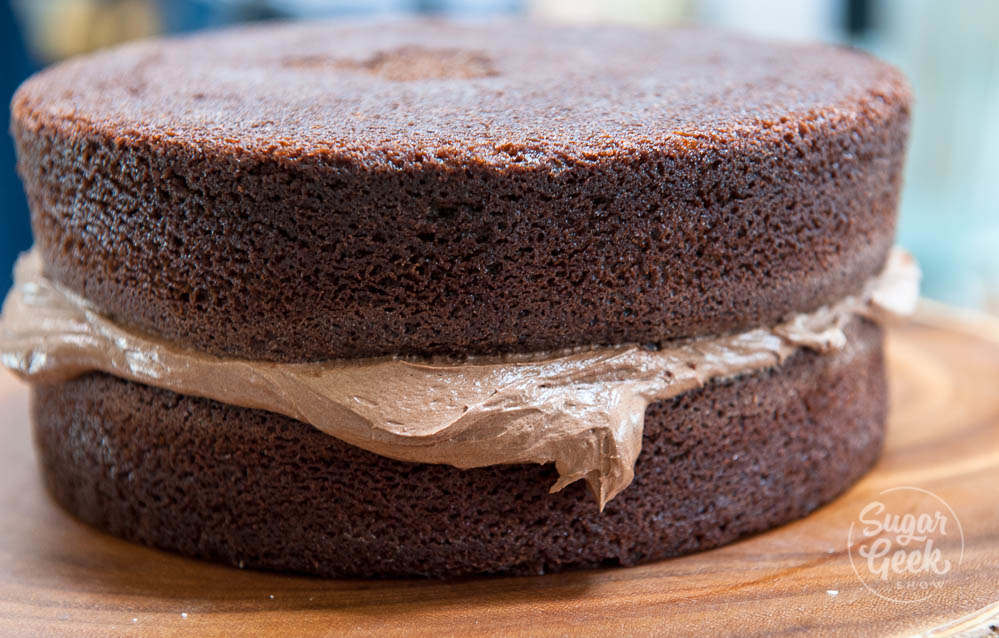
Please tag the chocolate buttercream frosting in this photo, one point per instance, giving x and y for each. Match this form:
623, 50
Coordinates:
581, 409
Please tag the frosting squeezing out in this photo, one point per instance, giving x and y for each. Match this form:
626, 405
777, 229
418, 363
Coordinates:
581, 409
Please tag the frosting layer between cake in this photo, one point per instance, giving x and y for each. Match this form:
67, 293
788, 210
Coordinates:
581, 409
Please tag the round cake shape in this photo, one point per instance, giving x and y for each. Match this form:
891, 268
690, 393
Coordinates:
302, 193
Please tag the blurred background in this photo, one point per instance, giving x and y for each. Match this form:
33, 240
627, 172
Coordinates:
949, 50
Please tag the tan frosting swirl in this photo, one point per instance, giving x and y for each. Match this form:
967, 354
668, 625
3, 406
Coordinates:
582, 409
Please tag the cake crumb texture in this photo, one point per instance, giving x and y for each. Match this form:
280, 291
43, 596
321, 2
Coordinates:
254, 489
324, 191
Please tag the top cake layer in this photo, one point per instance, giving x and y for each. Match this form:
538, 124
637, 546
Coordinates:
324, 191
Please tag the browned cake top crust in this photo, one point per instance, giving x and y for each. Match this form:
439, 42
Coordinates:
321, 191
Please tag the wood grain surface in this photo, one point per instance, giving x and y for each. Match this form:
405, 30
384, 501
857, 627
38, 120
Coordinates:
60, 577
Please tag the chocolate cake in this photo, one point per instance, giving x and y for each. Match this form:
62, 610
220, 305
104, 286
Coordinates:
351, 298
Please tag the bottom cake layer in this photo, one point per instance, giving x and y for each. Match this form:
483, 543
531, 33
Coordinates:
255, 489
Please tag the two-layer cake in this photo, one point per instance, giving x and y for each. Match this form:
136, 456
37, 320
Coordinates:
351, 299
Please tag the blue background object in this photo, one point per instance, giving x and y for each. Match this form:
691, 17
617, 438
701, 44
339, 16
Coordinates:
13, 207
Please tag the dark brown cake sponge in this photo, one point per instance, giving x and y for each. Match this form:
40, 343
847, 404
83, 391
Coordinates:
251, 488
320, 191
